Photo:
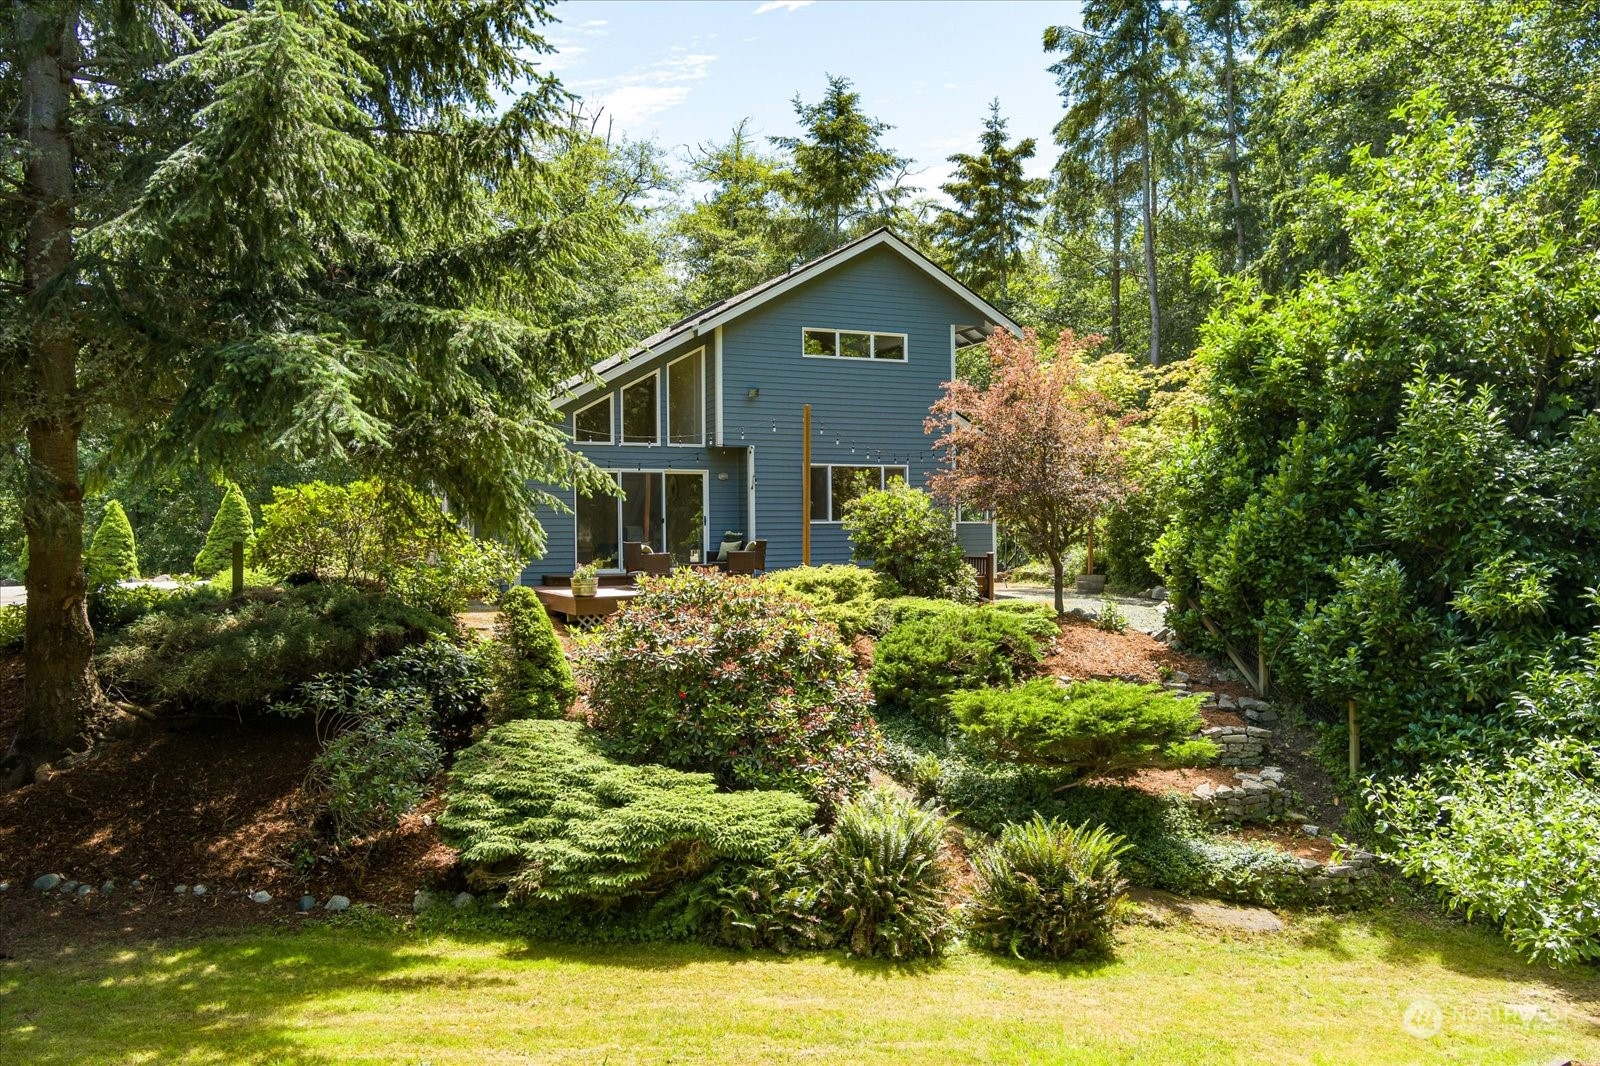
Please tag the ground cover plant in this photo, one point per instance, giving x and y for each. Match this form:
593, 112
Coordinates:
734, 678
920, 663
1085, 728
205, 651
540, 813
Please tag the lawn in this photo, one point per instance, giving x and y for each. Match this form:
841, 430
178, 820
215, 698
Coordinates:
1330, 989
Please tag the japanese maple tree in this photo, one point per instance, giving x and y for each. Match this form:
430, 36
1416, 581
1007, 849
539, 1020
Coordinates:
1038, 446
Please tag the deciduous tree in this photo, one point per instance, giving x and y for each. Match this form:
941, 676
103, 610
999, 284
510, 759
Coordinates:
1035, 447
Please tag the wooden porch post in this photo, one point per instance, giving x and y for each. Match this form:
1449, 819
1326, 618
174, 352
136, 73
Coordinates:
805, 486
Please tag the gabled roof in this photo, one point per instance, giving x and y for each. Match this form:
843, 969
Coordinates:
707, 319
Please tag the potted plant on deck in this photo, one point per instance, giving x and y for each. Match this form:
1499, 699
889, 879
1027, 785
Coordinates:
586, 578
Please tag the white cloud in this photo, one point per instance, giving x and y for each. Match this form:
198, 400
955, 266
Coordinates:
640, 94
783, 5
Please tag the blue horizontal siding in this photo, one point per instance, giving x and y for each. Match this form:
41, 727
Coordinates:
864, 412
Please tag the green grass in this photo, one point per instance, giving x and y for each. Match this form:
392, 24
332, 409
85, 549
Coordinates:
1330, 990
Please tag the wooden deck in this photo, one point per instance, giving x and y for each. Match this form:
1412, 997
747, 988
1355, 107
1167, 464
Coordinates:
606, 600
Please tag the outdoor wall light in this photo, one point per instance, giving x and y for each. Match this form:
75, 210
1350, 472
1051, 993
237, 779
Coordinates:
752, 394
722, 476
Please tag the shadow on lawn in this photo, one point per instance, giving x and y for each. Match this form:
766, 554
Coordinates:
222, 1000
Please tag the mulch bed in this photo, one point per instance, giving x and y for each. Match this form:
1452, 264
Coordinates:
213, 802
1084, 651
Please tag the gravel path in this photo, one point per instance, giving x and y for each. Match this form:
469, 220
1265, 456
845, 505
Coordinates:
1147, 616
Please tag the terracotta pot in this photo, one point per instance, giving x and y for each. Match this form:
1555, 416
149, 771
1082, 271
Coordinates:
1091, 584
582, 587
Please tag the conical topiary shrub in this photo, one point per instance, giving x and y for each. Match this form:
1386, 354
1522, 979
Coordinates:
232, 523
112, 556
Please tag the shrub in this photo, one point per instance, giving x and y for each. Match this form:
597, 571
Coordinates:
777, 903
233, 523
919, 664
204, 650
537, 809
384, 532
1046, 889
13, 625
222, 580
452, 686
882, 879
903, 609
1514, 843
112, 554
534, 679
1087, 728
834, 583
113, 607
732, 677
1110, 617
905, 535
376, 768
852, 599
1040, 618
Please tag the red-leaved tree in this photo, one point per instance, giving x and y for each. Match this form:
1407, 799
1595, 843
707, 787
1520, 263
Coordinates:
1038, 447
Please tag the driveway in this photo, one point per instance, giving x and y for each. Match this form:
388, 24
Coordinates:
1147, 616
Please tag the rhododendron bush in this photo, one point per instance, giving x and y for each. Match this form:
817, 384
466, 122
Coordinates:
732, 677
1037, 447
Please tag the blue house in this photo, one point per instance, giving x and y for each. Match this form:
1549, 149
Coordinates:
703, 424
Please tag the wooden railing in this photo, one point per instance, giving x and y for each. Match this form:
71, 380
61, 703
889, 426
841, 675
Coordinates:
984, 565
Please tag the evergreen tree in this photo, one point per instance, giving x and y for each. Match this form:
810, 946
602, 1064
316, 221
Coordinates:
112, 556
1119, 77
1224, 28
739, 234
309, 229
995, 206
841, 175
233, 522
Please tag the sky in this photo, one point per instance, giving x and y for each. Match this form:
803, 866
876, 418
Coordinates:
685, 73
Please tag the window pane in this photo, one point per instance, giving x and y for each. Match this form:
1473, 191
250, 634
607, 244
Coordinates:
639, 422
596, 518
686, 518
849, 482
888, 346
890, 473
819, 494
594, 423
685, 402
641, 510
820, 342
855, 345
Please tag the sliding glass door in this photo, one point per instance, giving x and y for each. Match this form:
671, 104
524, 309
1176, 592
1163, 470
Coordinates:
664, 509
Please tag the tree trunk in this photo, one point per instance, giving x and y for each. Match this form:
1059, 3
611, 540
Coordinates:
1147, 174
1059, 568
1233, 141
60, 690
1116, 270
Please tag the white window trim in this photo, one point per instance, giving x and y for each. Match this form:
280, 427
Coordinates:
883, 482
611, 420
622, 413
616, 476
905, 345
700, 392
